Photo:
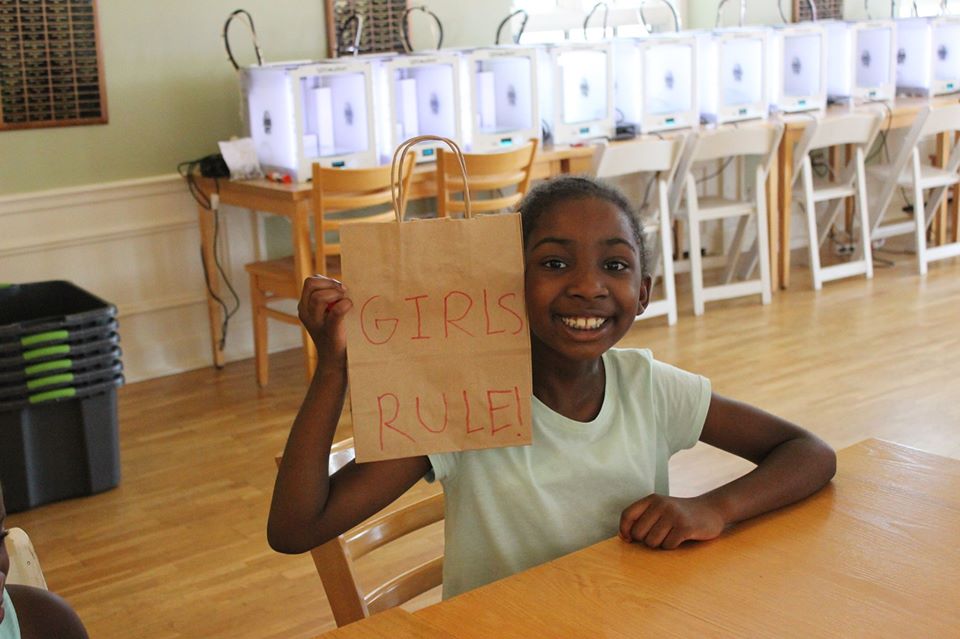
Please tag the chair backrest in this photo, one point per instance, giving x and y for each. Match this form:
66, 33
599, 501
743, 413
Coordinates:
760, 139
339, 190
860, 129
941, 120
486, 172
349, 602
24, 565
645, 155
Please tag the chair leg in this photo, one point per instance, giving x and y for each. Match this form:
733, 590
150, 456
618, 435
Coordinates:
258, 302
763, 236
866, 250
813, 237
310, 354
696, 264
666, 255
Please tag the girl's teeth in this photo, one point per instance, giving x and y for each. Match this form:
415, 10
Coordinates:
584, 323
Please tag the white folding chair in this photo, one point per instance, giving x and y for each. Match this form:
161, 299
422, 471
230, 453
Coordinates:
858, 130
921, 177
24, 566
760, 140
658, 160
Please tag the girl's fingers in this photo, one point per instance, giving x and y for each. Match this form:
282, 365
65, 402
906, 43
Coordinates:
658, 532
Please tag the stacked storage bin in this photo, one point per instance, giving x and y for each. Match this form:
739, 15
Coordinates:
60, 368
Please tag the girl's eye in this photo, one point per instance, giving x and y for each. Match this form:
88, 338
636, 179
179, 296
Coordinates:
617, 265
554, 264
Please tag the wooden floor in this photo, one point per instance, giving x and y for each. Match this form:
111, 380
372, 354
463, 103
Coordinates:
179, 549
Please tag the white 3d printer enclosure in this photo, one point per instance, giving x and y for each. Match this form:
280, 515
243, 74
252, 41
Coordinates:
928, 55
503, 109
576, 91
798, 69
732, 65
301, 113
655, 82
417, 94
861, 60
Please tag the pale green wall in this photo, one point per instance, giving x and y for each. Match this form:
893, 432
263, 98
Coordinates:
171, 92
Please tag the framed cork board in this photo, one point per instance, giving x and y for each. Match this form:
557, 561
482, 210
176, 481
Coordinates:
825, 9
51, 67
381, 25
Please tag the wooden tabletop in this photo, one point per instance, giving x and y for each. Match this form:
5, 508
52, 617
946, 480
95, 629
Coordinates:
873, 554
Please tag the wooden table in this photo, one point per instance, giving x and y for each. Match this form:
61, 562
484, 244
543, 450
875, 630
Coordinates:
874, 554
293, 201
901, 113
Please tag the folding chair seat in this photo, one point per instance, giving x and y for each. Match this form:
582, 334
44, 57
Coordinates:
657, 160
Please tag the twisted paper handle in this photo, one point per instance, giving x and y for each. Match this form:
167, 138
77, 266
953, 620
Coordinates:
396, 171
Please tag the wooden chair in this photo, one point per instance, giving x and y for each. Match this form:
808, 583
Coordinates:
334, 559
919, 176
761, 141
24, 565
335, 191
858, 130
488, 173
658, 158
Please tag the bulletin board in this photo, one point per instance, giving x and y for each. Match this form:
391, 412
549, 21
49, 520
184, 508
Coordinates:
832, 9
381, 25
51, 67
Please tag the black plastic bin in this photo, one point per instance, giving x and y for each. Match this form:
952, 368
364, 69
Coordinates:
59, 434
59, 444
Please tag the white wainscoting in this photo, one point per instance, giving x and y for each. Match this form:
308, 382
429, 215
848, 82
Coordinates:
136, 243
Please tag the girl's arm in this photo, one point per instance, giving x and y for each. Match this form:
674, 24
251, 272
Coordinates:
791, 464
309, 506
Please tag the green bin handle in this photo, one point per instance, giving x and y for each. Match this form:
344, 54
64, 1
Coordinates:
59, 349
43, 367
59, 393
49, 336
63, 378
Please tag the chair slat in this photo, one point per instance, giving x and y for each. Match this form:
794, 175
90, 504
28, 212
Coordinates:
393, 525
406, 586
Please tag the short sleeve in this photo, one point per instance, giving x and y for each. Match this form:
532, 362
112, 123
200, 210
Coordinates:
681, 401
443, 465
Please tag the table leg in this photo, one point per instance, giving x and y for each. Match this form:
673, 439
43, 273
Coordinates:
785, 172
304, 268
773, 222
208, 255
939, 231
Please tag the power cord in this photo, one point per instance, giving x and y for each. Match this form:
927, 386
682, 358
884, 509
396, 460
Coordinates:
188, 170
405, 27
523, 25
253, 33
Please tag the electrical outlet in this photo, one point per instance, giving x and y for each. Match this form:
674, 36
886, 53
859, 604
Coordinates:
844, 250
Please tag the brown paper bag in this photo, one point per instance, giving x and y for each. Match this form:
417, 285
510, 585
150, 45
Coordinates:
438, 348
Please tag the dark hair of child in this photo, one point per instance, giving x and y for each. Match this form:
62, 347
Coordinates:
545, 195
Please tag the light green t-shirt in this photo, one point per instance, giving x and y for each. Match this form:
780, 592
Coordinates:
508, 509
10, 626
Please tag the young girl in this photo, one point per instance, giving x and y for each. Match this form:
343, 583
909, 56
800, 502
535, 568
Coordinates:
32, 613
605, 420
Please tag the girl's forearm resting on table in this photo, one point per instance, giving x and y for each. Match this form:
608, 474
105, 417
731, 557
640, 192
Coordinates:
795, 469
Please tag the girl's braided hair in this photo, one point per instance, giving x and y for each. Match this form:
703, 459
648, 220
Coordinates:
545, 195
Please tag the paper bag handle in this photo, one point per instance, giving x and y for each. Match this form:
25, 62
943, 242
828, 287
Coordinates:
396, 171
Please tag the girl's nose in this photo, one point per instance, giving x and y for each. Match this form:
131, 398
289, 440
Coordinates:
587, 282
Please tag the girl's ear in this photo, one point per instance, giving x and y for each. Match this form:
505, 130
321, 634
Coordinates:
644, 297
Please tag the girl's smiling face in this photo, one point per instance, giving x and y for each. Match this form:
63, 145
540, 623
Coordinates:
583, 278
